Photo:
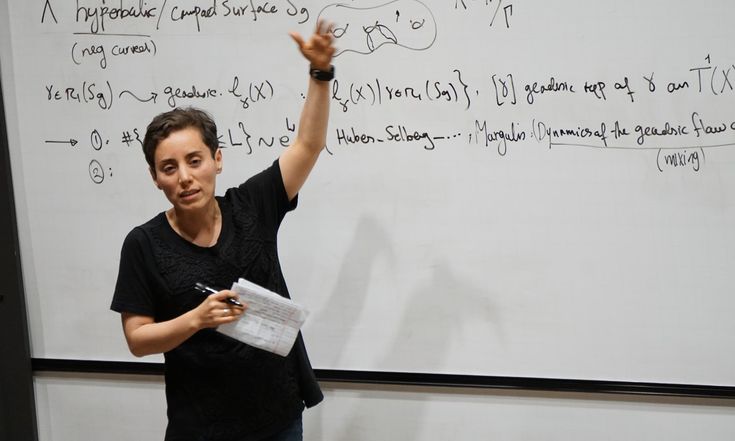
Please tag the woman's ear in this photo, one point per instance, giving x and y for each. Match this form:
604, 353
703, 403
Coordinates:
218, 160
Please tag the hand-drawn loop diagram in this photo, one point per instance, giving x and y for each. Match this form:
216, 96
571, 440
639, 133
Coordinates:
409, 24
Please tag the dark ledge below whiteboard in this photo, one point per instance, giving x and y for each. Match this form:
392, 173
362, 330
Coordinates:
420, 379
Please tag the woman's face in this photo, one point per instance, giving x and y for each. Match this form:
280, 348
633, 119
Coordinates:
185, 169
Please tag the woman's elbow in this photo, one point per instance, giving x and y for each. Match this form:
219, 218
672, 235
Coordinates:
137, 350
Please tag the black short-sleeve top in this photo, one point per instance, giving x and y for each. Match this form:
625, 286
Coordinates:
216, 387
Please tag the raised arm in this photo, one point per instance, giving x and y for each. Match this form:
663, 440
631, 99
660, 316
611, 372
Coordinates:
299, 158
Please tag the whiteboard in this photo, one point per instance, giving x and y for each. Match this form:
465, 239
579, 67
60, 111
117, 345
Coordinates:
530, 189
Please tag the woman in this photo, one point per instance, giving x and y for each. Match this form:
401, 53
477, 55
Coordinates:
216, 387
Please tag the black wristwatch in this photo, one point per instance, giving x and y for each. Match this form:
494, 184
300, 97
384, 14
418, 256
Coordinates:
322, 75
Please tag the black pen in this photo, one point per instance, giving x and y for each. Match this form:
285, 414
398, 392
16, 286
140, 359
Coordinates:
206, 289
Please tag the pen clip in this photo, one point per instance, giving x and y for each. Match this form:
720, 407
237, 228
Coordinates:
204, 289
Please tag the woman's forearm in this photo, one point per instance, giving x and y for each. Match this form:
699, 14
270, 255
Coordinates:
312, 132
146, 337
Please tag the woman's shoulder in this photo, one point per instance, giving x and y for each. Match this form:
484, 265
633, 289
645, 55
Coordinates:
155, 222
250, 189
141, 234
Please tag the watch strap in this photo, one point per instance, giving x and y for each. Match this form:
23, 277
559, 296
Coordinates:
322, 75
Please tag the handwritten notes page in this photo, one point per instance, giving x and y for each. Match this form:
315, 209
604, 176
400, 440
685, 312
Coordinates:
271, 322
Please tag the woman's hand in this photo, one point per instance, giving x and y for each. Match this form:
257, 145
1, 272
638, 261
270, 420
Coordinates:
318, 49
215, 311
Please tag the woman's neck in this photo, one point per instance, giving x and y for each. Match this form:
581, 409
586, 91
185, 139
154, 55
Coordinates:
201, 228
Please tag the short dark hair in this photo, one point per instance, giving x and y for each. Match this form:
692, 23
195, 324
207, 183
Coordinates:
178, 119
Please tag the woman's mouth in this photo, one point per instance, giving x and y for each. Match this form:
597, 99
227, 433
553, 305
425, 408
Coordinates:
188, 194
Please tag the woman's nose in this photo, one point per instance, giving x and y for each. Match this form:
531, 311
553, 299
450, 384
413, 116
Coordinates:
184, 176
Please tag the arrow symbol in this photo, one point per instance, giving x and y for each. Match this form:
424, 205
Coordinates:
71, 141
153, 96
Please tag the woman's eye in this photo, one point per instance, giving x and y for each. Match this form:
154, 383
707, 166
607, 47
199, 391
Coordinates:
168, 169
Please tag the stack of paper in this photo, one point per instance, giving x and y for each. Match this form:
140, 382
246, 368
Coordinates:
271, 322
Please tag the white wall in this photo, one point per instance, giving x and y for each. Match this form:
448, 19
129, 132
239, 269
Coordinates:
76, 407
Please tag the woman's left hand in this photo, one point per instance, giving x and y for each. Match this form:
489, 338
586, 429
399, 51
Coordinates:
318, 49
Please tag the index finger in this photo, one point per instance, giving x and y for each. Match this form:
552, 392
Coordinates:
229, 297
223, 295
